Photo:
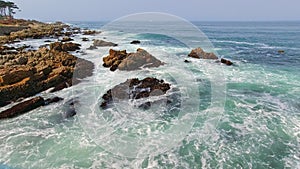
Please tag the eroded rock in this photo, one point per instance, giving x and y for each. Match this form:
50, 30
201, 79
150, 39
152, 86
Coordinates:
130, 61
133, 89
201, 54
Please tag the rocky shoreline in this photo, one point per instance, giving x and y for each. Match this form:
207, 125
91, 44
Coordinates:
25, 73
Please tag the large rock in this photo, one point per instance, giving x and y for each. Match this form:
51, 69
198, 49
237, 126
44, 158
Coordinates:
130, 61
226, 62
102, 43
64, 46
133, 89
44, 69
200, 54
27, 106
22, 108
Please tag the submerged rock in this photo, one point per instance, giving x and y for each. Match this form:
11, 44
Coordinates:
135, 42
226, 62
130, 61
201, 54
133, 89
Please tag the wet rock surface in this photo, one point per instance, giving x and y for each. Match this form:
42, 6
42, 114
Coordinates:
226, 62
26, 106
133, 89
130, 61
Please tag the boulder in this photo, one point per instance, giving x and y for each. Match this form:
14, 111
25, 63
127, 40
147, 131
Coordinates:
130, 61
201, 54
64, 46
66, 39
90, 32
133, 89
22, 107
26, 106
135, 42
84, 39
102, 43
227, 62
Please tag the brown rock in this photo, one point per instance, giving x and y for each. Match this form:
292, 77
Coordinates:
130, 61
138, 60
90, 32
66, 39
64, 46
200, 54
22, 108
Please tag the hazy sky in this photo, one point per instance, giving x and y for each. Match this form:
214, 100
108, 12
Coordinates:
202, 10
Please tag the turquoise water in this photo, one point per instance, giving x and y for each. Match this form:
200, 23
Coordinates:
243, 116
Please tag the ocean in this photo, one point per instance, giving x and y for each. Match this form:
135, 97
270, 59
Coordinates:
242, 116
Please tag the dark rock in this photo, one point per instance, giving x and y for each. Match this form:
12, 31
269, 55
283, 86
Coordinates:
227, 62
53, 100
102, 43
135, 42
135, 89
200, 54
66, 39
187, 61
22, 108
47, 41
85, 39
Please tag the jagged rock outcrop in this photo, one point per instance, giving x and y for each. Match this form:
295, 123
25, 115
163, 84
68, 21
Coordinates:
135, 89
130, 61
201, 54
226, 62
69, 46
28, 73
26, 106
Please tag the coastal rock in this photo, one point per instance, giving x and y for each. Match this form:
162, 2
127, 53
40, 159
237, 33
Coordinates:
22, 108
34, 30
66, 39
133, 89
201, 54
226, 62
187, 61
90, 32
64, 46
44, 69
26, 106
85, 39
135, 42
130, 61
102, 43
